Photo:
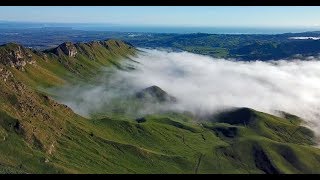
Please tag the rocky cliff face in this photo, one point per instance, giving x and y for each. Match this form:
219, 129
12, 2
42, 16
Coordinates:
15, 55
68, 49
5, 74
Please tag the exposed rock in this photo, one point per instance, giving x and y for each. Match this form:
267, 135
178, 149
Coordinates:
15, 55
18, 54
5, 74
29, 55
51, 149
94, 44
67, 48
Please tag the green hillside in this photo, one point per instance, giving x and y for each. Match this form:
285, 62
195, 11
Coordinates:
39, 135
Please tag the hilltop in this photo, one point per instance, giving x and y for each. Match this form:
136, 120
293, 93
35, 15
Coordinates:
155, 93
40, 135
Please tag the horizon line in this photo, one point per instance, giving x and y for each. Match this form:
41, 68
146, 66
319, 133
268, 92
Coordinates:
154, 25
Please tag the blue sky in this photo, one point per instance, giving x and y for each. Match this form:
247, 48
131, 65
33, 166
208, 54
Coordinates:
281, 16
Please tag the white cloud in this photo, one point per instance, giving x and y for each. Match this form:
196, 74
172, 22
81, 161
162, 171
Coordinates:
205, 84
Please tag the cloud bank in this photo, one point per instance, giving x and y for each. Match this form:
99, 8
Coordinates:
204, 85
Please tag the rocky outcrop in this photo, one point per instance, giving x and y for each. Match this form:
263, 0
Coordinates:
94, 44
68, 49
5, 74
15, 55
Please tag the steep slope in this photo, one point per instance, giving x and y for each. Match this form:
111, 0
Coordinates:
30, 119
56, 66
39, 135
272, 144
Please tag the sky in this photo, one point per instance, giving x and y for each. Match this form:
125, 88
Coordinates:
197, 16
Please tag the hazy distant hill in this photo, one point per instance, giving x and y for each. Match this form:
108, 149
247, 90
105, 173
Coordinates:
239, 46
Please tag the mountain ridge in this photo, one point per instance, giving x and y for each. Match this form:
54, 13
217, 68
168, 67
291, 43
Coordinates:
40, 135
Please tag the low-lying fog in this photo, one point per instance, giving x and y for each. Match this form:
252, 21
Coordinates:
204, 84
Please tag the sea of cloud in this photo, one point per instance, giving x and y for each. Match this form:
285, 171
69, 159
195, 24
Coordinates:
203, 84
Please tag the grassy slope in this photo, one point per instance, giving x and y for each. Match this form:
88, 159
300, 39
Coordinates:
38, 135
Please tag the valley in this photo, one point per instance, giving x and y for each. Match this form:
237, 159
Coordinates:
40, 133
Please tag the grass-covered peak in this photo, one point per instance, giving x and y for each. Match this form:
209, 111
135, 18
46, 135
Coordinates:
155, 93
238, 116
